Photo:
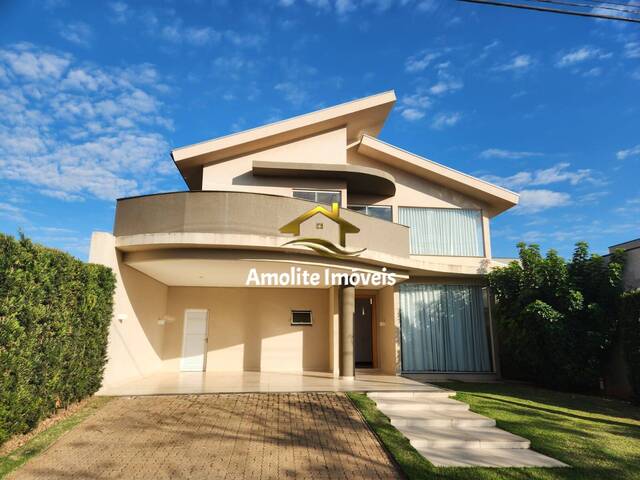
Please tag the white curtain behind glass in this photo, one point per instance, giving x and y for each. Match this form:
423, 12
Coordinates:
444, 231
443, 329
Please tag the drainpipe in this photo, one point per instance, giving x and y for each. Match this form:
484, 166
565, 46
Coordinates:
347, 311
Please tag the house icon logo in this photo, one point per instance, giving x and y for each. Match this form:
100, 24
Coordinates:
323, 246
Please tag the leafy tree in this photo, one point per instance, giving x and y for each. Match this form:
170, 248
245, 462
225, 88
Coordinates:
557, 320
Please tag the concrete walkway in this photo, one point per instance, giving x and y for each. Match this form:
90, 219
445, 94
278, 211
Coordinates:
174, 383
250, 436
447, 434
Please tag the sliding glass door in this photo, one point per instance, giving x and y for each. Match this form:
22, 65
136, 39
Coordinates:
444, 329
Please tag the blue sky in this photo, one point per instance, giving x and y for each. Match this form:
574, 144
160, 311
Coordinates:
94, 95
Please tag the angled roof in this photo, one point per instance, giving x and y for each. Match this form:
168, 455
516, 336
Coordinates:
497, 198
363, 116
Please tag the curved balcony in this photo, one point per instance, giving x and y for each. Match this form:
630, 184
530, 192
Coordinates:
240, 220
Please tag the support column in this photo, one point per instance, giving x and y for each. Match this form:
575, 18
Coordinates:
347, 311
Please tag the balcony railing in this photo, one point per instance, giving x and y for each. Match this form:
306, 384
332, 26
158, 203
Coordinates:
252, 215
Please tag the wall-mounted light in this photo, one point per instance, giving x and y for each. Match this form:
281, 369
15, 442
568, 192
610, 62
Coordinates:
121, 317
166, 319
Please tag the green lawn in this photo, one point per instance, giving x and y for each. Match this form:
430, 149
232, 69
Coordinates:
44, 439
599, 438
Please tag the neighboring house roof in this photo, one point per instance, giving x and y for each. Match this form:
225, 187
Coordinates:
497, 198
345, 227
628, 245
365, 115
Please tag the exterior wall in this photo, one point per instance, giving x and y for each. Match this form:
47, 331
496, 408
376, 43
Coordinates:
235, 175
135, 336
632, 269
249, 329
412, 191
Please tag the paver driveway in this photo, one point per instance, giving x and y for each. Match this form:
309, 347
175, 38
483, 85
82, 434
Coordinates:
222, 436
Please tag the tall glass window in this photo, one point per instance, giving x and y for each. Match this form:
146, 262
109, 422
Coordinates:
325, 197
443, 329
444, 231
378, 211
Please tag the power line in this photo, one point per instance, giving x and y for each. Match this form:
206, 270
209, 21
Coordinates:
579, 13
598, 3
599, 7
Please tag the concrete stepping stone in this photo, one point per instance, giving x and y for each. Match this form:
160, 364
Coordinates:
446, 433
488, 457
438, 419
456, 437
421, 405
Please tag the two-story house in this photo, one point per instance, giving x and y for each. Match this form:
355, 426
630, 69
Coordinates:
216, 278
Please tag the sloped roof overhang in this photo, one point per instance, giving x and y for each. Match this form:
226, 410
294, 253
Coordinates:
496, 198
363, 116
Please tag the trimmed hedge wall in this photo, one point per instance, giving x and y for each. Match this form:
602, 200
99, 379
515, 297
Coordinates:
54, 320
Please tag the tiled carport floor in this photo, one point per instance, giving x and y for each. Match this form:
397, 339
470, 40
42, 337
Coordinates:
220, 436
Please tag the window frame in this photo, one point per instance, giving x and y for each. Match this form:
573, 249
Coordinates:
300, 310
390, 207
482, 229
315, 190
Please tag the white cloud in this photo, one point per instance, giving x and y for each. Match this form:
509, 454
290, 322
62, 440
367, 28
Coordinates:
77, 32
412, 107
78, 130
536, 200
446, 85
555, 174
417, 63
11, 212
444, 120
518, 63
120, 10
426, 6
33, 65
593, 72
417, 100
512, 154
580, 55
632, 50
344, 7
630, 152
412, 114
292, 92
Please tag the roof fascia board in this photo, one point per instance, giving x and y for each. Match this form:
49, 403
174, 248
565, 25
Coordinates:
498, 198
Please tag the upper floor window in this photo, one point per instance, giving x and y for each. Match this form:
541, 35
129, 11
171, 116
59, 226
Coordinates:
325, 197
444, 231
378, 211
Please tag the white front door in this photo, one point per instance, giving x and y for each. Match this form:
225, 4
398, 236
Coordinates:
194, 341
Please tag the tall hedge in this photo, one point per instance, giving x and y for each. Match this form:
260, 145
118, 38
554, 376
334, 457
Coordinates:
54, 319
557, 320
630, 329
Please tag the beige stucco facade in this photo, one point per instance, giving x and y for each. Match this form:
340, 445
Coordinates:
191, 251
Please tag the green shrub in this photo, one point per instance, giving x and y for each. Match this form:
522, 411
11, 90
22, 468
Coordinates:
54, 319
557, 320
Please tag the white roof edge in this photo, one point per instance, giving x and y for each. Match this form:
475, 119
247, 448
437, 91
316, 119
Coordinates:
387, 96
368, 140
